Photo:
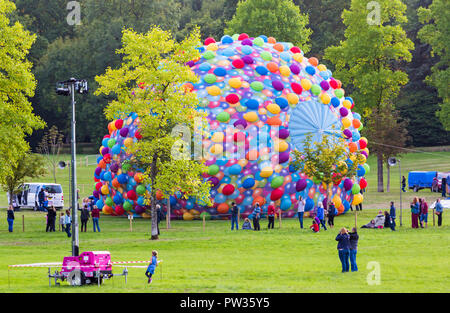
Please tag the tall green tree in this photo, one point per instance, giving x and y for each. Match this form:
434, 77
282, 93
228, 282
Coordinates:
436, 32
367, 60
156, 62
280, 19
17, 85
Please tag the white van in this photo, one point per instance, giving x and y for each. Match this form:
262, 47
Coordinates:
28, 196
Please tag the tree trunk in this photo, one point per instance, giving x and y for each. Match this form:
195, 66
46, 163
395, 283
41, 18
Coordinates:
154, 228
380, 172
388, 183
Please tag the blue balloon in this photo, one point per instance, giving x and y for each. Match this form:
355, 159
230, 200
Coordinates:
248, 183
235, 169
309, 205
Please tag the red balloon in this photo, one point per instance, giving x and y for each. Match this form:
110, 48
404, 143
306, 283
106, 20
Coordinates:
228, 189
131, 195
119, 210
362, 183
276, 194
118, 124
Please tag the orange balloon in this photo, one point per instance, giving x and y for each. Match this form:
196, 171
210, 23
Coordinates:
271, 40
341, 209
115, 183
107, 209
260, 200
257, 192
274, 121
102, 164
138, 177
313, 61
252, 155
223, 208
159, 195
311, 192
220, 175
278, 47
352, 147
356, 123
272, 66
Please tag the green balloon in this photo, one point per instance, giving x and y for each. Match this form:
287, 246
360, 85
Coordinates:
111, 142
339, 93
277, 181
213, 169
315, 89
257, 86
109, 201
367, 168
140, 190
126, 167
266, 55
355, 189
223, 117
127, 205
258, 41
235, 37
209, 78
208, 55
361, 127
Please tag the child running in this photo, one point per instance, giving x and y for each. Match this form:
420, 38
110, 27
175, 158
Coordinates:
151, 267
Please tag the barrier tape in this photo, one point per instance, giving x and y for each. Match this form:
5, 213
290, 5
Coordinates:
60, 264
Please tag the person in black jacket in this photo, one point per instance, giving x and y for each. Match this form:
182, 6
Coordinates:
84, 217
343, 247
331, 213
353, 249
159, 216
41, 199
51, 217
10, 218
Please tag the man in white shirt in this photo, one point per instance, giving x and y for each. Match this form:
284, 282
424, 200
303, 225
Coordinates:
301, 210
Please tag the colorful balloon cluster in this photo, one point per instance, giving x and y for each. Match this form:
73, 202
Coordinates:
262, 98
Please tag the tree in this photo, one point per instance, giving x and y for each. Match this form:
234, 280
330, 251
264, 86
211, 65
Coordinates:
367, 60
326, 161
17, 84
390, 138
436, 33
156, 63
29, 166
50, 146
277, 18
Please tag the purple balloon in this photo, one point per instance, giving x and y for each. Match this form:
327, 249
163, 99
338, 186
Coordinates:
294, 68
278, 85
343, 111
240, 124
325, 85
124, 132
98, 170
301, 184
284, 157
105, 150
247, 59
214, 181
247, 42
283, 133
347, 133
114, 167
348, 184
96, 194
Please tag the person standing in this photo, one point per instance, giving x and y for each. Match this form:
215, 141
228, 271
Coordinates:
68, 223
403, 184
387, 219
301, 210
95, 217
84, 217
10, 218
392, 215
234, 216
256, 215
271, 215
331, 213
424, 213
320, 215
343, 239
41, 199
444, 186
354, 237
159, 216
439, 210
415, 211
51, 217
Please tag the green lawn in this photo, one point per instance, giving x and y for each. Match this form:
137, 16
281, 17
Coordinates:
218, 260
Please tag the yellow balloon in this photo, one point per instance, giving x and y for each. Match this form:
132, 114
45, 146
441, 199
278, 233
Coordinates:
251, 117
218, 137
243, 162
188, 216
213, 90
337, 201
216, 149
100, 150
284, 70
357, 199
128, 142
347, 104
321, 67
212, 46
346, 122
235, 83
280, 145
292, 98
325, 98
273, 108
298, 57
266, 172
306, 84
104, 190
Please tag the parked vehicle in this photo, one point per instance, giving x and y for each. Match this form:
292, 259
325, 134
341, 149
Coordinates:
439, 177
421, 179
27, 197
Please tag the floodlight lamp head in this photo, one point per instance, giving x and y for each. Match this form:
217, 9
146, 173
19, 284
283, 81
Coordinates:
62, 164
392, 161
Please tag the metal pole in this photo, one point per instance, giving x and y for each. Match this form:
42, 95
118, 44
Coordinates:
400, 173
75, 242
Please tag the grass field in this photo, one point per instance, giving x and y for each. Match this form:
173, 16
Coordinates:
218, 260
284, 259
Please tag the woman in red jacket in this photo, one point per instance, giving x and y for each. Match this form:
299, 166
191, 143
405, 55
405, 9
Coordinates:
271, 215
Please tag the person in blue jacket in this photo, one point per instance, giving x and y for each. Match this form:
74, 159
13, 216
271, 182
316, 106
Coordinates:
343, 239
354, 237
321, 216
439, 210
256, 215
151, 267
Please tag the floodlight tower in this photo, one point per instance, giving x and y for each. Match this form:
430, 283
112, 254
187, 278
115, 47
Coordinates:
68, 88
